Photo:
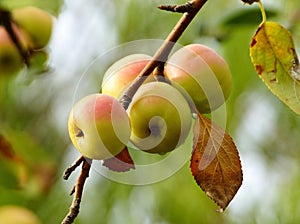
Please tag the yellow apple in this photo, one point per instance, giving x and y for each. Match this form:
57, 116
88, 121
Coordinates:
202, 73
99, 126
160, 118
120, 74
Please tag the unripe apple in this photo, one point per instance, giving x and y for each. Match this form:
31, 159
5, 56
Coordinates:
99, 126
13, 214
160, 118
36, 25
202, 73
120, 74
11, 60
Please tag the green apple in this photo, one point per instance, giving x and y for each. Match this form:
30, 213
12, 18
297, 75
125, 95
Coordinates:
35, 23
160, 118
99, 126
202, 73
13, 214
11, 61
120, 74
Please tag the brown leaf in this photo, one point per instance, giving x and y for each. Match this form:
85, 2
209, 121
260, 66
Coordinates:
6, 148
122, 162
7, 151
215, 162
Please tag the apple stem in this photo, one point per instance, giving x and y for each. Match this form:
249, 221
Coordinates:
162, 54
158, 74
78, 190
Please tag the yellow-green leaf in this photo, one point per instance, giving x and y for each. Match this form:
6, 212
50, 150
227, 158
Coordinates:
274, 57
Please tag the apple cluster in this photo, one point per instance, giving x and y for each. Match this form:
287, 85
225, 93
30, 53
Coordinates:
32, 28
159, 117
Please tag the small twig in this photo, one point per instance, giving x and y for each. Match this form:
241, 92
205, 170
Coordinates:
73, 167
74, 209
72, 191
163, 52
187, 7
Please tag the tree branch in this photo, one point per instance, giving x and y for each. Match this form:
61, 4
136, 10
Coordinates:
187, 7
189, 11
163, 52
73, 167
78, 190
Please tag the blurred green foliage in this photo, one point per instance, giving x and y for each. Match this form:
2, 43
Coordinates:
32, 121
51, 6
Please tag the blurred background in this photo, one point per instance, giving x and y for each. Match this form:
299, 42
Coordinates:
34, 111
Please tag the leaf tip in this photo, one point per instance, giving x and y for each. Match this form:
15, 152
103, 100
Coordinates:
122, 162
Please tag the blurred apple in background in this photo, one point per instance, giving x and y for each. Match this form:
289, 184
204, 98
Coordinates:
13, 214
35, 23
11, 61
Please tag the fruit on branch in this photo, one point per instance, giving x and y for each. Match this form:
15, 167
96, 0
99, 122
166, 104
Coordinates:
12, 214
202, 73
11, 60
35, 23
120, 74
160, 118
99, 126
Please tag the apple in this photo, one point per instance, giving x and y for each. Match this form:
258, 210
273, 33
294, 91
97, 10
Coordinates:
35, 23
13, 214
160, 118
11, 60
120, 74
202, 73
99, 126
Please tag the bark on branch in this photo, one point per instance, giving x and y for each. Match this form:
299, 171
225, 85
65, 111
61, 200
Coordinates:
163, 52
78, 190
